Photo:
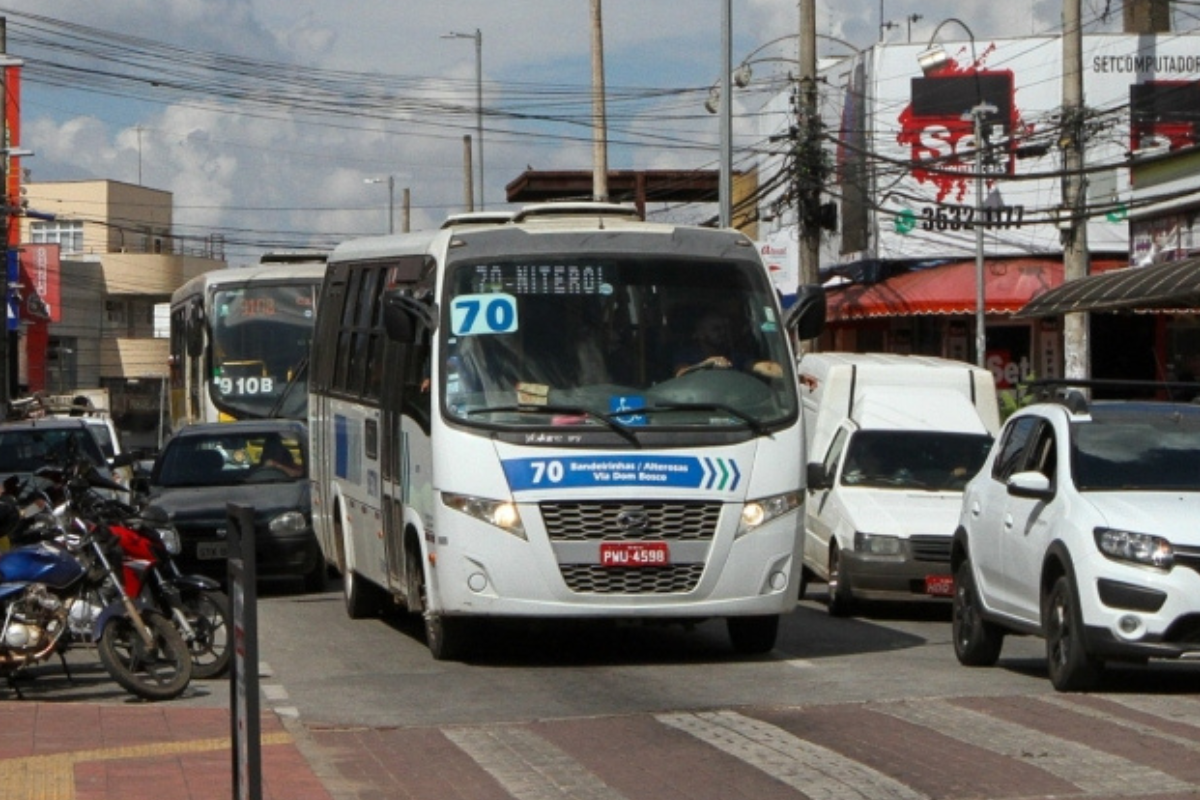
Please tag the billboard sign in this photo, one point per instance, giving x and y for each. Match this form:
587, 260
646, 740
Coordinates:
910, 189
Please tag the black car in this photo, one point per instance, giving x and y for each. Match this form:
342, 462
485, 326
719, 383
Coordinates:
31, 444
262, 464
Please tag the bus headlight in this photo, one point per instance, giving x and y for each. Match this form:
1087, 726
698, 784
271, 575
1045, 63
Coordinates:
287, 523
759, 512
501, 513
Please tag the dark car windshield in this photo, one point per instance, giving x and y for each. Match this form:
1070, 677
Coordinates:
228, 457
933, 460
1155, 450
27, 449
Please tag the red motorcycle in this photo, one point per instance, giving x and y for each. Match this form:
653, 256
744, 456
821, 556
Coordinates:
194, 603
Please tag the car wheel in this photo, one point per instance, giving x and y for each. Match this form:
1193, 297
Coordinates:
317, 578
840, 599
977, 642
1071, 668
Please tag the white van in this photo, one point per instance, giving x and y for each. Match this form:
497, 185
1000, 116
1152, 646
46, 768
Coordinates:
893, 440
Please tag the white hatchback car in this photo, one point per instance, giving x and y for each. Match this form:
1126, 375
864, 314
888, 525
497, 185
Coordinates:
1081, 528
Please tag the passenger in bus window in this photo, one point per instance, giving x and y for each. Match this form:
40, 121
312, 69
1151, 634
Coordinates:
713, 346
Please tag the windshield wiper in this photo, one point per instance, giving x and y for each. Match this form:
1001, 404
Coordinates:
612, 424
297, 371
751, 422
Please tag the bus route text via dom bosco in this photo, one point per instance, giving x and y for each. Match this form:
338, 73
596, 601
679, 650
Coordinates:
574, 472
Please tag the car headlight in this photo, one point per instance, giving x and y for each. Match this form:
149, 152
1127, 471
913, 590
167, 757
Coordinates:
876, 545
757, 513
1138, 548
501, 513
288, 522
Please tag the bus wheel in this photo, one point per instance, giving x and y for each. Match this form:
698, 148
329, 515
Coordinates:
446, 637
753, 635
416, 589
362, 596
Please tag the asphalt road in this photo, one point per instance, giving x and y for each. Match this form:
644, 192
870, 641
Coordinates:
874, 706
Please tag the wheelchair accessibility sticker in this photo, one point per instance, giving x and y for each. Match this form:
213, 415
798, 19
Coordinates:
575, 472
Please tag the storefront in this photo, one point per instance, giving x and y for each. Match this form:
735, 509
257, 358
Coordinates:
931, 311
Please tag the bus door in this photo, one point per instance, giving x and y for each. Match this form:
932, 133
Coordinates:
404, 412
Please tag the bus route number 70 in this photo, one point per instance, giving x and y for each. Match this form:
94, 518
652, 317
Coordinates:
473, 314
546, 472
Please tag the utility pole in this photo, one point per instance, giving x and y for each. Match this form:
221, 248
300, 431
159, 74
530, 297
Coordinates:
599, 118
809, 156
1073, 219
468, 195
407, 212
725, 177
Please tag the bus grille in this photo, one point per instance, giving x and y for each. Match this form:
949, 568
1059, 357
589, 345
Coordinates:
658, 521
630, 522
592, 579
930, 548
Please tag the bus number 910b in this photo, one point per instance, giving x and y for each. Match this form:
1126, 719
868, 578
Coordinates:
246, 385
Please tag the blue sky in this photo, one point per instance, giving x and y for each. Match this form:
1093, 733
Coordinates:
265, 167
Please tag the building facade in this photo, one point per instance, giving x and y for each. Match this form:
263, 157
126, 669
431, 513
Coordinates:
101, 258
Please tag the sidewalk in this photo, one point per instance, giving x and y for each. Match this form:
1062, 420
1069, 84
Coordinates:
142, 751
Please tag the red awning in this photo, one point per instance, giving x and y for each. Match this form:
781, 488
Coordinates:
949, 289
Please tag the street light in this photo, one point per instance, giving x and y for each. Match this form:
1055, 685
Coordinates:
931, 60
721, 102
477, 36
390, 180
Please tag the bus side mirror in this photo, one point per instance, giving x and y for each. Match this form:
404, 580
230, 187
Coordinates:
806, 317
403, 315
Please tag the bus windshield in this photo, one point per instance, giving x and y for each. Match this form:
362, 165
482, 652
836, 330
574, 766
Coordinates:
627, 340
260, 338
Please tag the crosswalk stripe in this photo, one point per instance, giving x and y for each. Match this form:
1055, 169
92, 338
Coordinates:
1140, 728
816, 771
1184, 710
1092, 770
528, 766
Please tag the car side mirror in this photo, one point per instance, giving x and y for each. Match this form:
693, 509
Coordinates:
816, 476
806, 317
1031, 484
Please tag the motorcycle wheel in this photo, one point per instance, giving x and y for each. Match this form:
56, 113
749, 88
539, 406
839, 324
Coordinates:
207, 612
158, 673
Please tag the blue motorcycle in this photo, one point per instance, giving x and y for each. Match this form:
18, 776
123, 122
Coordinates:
61, 589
